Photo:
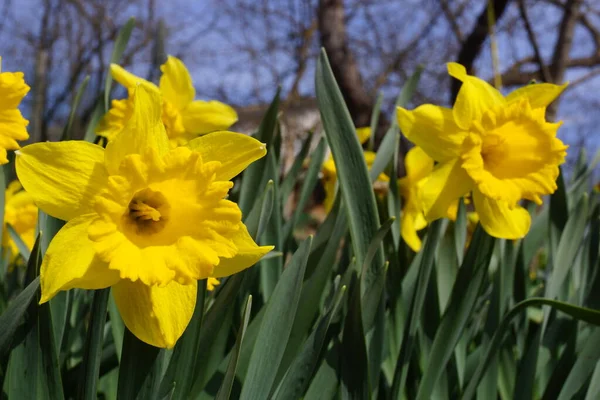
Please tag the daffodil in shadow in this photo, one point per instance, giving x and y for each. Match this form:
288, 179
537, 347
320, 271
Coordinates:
21, 213
145, 219
329, 172
184, 117
499, 148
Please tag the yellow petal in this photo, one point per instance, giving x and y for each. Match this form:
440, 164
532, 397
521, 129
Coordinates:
235, 151
446, 184
115, 119
125, 78
249, 253
409, 225
499, 220
156, 315
474, 97
363, 134
176, 83
12, 124
71, 262
63, 177
418, 164
144, 131
329, 185
211, 283
433, 129
538, 94
200, 117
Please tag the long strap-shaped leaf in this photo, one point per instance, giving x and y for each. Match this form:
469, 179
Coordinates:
275, 328
580, 313
355, 185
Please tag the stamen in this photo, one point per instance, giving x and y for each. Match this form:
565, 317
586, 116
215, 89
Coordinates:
147, 212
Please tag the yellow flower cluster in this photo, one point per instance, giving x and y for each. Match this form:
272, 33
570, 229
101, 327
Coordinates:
498, 149
145, 217
184, 118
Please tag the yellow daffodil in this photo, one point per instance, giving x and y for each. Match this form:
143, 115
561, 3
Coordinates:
418, 166
329, 172
499, 148
22, 214
148, 220
13, 126
184, 117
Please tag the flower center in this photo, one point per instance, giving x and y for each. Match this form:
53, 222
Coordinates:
148, 212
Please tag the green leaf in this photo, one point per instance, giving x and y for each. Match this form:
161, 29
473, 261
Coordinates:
211, 327
355, 185
49, 353
117, 326
68, 130
275, 328
26, 377
258, 217
460, 308
181, 371
254, 173
409, 89
583, 367
225, 390
308, 186
375, 120
137, 364
416, 307
297, 378
270, 269
14, 317
580, 313
593, 391
93, 345
355, 382
23, 249
371, 295
291, 178
97, 114
568, 246
118, 50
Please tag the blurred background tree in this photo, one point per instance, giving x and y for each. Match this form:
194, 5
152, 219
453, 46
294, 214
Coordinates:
238, 51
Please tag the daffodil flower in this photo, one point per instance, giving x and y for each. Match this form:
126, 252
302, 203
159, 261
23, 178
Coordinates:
418, 166
184, 117
13, 126
329, 171
22, 214
499, 148
147, 220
